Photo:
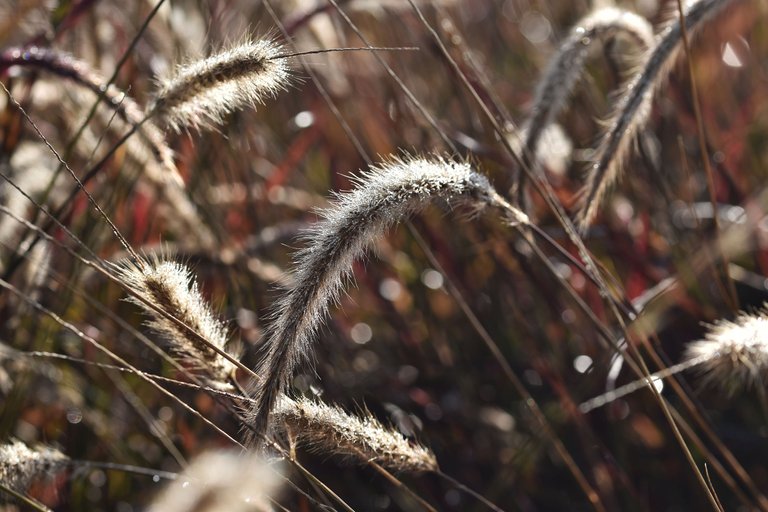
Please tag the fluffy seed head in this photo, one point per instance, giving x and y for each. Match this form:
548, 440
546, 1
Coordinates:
171, 288
329, 430
218, 481
383, 197
201, 93
734, 353
19, 465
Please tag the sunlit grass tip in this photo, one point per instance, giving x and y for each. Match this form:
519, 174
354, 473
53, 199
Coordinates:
203, 92
21, 465
170, 288
734, 354
329, 430
222, 480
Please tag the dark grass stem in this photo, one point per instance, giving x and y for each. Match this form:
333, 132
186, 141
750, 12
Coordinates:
28, 501
730, 295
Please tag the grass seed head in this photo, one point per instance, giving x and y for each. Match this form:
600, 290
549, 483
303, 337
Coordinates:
384, 196
223, 480
734, 353
201, 93
171, 288
329, 430
20, 465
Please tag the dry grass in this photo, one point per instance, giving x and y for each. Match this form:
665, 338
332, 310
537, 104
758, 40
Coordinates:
190, 319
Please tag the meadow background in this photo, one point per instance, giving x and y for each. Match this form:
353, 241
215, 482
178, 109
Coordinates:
400, 344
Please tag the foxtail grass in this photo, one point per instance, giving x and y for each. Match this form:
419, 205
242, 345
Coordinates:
201, 93
385, 195
222, 480
734, 354
633, 108
567, 66
171, 288
331, 431
21, 465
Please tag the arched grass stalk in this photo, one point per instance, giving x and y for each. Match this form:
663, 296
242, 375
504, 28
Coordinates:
201, 93
633, 108
329, 430
567, 66
385, 195
170, 287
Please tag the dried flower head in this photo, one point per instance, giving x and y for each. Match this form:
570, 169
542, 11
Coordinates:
20, 465
171, 288
734, 353
329, 430
201, 93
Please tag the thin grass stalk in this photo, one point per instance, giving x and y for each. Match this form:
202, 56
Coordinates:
730, 293
8, 274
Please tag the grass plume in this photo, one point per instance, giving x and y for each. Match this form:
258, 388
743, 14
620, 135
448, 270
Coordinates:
734, 353
329, 430
634, 106
222, 480
201, 93
20, 465
567, 66
171, 288
385, 195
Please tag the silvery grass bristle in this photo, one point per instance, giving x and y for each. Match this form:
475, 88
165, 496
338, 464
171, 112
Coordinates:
127, 109
201, 93
21, 465
222, 481
734, 354
633, 108
329, 430
171, 288
384, 196
567, 66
